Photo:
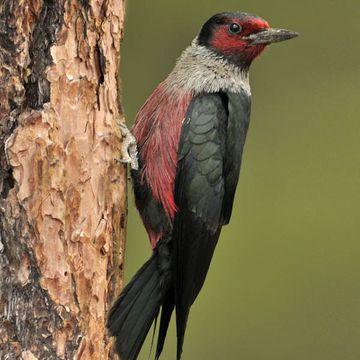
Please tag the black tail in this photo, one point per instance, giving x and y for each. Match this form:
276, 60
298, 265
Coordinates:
131, 316
181, 321
166, 311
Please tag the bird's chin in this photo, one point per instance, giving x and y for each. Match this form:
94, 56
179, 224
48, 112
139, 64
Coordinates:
252, 51
244, 57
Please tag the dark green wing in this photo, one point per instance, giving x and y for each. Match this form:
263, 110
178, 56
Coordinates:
199, 195
239, 106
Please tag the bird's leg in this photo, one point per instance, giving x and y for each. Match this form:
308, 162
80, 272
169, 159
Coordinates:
129, 153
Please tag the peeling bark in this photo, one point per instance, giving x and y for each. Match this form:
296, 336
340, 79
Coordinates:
62, 192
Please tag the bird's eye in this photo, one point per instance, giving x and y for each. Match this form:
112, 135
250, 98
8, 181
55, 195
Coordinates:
234, 28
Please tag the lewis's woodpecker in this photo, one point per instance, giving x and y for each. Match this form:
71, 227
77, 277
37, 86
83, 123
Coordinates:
190, 135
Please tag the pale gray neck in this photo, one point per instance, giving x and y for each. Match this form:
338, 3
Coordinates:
201, 70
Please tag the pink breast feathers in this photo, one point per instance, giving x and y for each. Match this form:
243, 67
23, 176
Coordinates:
157, 130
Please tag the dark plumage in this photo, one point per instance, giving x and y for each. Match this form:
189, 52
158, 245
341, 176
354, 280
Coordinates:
210, 150
190, 134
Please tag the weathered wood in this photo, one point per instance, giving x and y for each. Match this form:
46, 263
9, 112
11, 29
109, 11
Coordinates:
62, 193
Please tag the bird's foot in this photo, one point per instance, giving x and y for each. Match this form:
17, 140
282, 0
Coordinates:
129, 153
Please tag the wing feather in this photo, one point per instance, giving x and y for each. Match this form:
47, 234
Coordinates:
199, 194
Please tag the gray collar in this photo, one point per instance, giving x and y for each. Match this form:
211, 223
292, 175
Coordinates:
201, 70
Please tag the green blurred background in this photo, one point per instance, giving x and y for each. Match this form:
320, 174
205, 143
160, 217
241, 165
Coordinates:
284, 283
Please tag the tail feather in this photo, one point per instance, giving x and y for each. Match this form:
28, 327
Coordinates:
166, 311
153, 336
123, 305
182, 314
133, 313
142, 324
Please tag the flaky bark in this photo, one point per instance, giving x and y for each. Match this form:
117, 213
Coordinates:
63, 195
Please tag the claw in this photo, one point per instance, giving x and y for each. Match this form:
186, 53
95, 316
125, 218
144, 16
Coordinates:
129, 153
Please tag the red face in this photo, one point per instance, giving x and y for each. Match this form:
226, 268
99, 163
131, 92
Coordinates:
228, 39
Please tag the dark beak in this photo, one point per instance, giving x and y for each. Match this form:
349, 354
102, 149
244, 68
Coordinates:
269, 36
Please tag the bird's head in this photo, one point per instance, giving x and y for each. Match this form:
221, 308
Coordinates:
240, 37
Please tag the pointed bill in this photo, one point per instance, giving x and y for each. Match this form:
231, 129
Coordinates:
269, 36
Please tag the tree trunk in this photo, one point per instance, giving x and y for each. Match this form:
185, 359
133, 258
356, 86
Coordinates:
62, 192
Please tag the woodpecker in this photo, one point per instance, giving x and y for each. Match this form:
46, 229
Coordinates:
190, 135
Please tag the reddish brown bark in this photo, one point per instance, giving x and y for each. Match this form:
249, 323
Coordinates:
63, 195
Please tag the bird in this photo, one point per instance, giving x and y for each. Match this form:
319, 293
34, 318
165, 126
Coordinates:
190, 135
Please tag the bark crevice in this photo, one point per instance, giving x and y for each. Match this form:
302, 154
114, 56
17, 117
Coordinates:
49, 22
27, 315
